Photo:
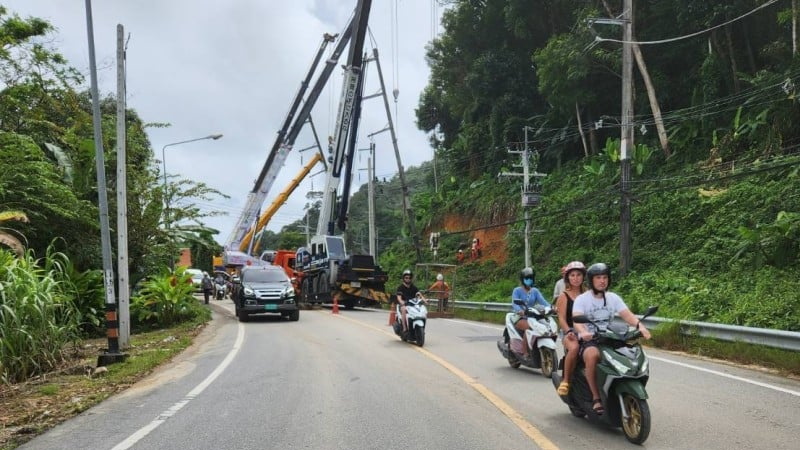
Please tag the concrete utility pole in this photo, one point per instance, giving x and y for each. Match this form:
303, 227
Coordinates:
530, 197
626, 141
371, 200
122, 199
112, 353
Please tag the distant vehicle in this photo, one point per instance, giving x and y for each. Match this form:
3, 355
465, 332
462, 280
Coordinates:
265, 289
197, 278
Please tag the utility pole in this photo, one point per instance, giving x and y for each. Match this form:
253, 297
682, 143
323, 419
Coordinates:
412, 226
531, 193
371, 200
112, 353
371, 197
626, 141
122, 199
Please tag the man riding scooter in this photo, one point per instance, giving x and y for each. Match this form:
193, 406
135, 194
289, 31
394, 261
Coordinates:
600, 306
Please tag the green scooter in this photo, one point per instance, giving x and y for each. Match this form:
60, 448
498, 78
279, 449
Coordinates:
622, 374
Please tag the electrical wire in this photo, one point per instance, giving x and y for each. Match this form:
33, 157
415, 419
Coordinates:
697, 33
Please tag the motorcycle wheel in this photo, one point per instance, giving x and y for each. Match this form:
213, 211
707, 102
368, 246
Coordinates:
419, 335
512, 359
637, 426
548, 361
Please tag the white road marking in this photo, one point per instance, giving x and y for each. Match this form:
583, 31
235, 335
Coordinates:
172, 410
726, 375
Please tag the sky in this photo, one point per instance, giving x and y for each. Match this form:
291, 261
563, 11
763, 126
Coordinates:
233, 67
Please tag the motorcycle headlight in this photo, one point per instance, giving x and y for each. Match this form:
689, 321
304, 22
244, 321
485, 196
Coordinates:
249, 292
618, 366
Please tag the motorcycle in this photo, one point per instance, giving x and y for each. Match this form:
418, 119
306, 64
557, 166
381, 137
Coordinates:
622, 374
541, 338
417, 316
220, 290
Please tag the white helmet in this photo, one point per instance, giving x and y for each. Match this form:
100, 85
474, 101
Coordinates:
439, 277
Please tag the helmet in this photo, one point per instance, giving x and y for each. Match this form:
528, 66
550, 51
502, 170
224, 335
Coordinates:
407, 272
595, 270
439, 277
574, 265
527, 272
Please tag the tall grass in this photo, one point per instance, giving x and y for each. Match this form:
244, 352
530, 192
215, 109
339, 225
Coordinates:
37, 319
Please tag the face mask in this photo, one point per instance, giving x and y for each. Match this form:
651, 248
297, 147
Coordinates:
527, 281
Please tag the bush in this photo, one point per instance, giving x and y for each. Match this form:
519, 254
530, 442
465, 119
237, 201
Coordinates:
166, 300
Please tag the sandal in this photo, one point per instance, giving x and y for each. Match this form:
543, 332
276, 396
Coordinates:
563, 388
597, 407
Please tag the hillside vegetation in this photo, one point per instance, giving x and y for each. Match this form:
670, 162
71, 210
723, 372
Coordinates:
715, 221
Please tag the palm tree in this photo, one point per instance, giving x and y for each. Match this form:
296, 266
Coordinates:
6, 238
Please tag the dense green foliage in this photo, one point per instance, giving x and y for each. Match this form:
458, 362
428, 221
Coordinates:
38, 314
716, 235
165, 300
49, 173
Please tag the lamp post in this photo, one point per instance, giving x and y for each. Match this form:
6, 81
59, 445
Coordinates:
166, 194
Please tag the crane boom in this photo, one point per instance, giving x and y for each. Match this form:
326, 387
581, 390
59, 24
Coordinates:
278, 202
287, 136
347, 118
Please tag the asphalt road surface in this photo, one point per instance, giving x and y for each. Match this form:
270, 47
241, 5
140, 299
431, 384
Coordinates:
336, 381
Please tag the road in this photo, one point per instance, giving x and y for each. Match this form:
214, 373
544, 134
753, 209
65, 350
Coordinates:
345, 381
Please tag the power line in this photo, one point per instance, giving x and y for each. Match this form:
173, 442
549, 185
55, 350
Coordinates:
598, 39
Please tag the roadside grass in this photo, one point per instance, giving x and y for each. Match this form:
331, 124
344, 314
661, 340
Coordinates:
32, 407
668, 337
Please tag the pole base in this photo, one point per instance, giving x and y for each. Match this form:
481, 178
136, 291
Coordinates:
108, 358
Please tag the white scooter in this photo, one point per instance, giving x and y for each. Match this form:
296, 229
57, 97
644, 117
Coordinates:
220, 290
541, 338
417, 315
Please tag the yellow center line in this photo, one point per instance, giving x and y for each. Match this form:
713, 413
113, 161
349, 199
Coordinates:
526, 427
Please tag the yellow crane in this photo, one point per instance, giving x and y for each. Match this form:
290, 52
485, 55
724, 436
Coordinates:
278, 202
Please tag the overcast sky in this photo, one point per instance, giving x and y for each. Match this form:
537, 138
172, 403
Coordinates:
233, 67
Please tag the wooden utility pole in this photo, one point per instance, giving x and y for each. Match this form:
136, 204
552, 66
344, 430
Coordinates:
626, 141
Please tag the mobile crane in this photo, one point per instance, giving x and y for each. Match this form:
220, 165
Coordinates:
328, 271
234, 253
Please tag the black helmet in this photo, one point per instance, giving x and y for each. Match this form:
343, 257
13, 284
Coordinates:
595, 270
407, 272
527, 272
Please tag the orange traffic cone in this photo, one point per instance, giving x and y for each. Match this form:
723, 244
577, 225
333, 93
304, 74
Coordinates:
335, 309
392, 317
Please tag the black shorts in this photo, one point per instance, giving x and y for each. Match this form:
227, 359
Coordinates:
584, 345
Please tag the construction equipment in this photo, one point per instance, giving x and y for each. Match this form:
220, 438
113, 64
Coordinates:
328, 271
286, 137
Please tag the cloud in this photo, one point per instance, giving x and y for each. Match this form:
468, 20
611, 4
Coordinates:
234, 68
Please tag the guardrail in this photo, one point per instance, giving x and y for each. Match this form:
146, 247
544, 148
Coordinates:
789, 340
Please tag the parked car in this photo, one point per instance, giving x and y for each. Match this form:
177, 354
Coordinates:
265, 289
197, 278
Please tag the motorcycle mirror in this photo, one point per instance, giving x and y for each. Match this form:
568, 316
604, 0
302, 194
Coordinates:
519, 302
650, 311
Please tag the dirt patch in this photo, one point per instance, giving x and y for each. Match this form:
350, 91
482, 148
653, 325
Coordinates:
493, 239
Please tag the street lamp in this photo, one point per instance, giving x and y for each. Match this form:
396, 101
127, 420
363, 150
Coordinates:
166, 194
